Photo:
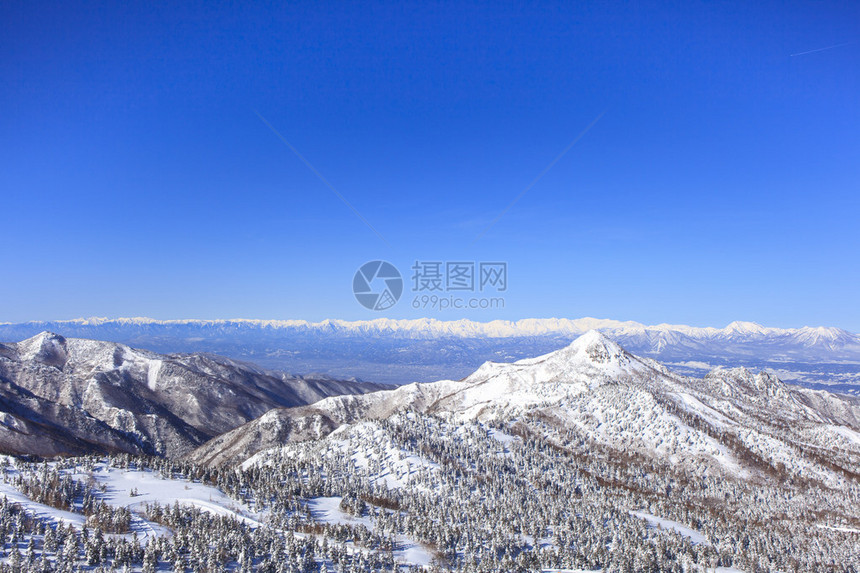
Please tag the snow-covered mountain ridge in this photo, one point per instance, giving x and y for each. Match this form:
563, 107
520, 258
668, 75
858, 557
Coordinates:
732, 422
67, 395
434, 328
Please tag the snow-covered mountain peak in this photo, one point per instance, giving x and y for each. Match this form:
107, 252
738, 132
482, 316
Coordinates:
745, 328
44, 337
502, 389
591, 351
830, 337
595, 347
46, 347
741, 381
591, 356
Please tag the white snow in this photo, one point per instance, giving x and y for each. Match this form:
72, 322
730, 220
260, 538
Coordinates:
152, 488
327, 510
39, 510
840, 528
846, 432
696, 406
152, 373
367, 444
670, 525
502, 437
144, 529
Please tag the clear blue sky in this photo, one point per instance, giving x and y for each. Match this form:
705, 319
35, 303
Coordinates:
720, 184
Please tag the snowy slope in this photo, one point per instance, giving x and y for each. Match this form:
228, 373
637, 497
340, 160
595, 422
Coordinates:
131, 489
490, 483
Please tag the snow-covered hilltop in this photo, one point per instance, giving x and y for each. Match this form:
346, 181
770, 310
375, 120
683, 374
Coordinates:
403, 351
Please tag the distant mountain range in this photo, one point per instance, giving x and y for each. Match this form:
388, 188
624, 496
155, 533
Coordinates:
423, 350
73, 396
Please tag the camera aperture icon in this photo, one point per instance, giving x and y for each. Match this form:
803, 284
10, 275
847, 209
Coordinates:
377, 285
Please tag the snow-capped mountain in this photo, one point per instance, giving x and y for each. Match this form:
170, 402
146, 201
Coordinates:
67, 395
433, 328
731, 422
404, 351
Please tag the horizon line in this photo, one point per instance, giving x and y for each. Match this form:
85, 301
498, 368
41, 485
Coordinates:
602, 323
